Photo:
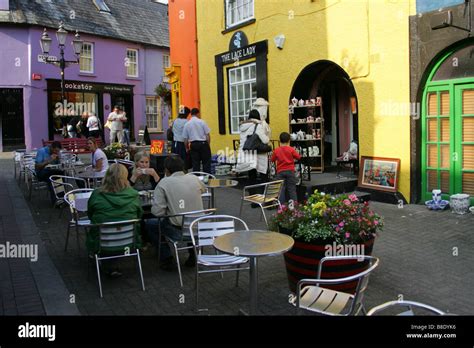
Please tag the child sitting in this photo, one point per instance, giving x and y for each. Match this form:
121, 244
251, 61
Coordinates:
285, 156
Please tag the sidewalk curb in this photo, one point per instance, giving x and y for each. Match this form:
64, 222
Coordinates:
52, 290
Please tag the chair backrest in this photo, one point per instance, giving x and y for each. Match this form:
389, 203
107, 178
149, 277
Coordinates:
408, 304
201, 175
189, 217
77, 200
119, 235
273, 189
362, 277
125, 162
60, 186
210, 227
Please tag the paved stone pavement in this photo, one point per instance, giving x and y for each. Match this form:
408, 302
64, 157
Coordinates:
425, 256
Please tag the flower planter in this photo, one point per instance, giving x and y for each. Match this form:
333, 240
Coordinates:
303, 259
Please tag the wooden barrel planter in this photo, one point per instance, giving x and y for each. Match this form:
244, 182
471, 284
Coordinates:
303, 259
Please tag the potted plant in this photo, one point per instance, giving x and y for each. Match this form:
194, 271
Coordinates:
164, 93
327, 225
116, 150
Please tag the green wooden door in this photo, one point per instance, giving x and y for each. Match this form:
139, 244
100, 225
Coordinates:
464, 139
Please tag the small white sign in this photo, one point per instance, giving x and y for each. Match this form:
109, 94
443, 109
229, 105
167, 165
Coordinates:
42, 58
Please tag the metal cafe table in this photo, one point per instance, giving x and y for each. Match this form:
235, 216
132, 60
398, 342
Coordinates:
253, 244
218, 183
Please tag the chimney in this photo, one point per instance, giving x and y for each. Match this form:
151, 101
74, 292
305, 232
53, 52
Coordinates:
4, 5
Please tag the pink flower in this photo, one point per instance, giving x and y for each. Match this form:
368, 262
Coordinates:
341, 224
353, 197
338, 229
348, 234
376, 222
347, 202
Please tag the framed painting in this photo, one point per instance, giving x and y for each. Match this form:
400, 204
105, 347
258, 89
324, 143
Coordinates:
379, 173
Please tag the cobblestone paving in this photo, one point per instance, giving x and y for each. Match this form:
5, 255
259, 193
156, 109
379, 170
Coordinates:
425, 256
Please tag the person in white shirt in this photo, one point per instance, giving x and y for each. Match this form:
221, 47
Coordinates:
100, 162
117, 118
93, 126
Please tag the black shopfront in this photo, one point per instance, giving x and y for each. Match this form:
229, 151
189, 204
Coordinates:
85, 96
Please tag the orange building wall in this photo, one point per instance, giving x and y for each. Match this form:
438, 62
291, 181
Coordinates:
183, 48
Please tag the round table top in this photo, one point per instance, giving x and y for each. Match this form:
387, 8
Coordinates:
212, 183
90, 174
253, 243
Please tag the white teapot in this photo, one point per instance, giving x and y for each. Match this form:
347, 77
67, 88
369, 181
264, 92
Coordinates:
294, 101
293, 136
301, 135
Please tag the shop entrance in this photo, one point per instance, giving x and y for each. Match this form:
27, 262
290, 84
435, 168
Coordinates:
329, 81
126, 102
11, 119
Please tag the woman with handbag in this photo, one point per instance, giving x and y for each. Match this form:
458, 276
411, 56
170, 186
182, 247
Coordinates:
253, 161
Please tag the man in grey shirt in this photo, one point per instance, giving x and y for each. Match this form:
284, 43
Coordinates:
176, 193
197, 139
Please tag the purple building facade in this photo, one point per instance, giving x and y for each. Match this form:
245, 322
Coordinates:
115, 72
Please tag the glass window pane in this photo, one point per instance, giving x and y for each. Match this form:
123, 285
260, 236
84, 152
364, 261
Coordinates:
432, 104
240, 92
432, 129
468, 129
246, 73
444, 100
468, 102
445, 158
445, 131
432, 156
445, 182
233, 109
241, 107
468, 157
253, 71
247, 91
232, 76
468, 183
432, 180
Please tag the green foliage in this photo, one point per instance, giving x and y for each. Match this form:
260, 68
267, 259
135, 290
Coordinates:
342, 218
164, 93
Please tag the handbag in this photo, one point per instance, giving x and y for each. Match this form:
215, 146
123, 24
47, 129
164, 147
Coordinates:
253, 143
108, 124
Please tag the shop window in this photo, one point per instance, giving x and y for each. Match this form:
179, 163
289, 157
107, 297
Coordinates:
86, 61
131, 62
154, 120
238, 11
166, 61
242, 93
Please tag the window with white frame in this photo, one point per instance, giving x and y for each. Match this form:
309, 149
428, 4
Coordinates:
154, 120
238, 11
242, 93
131, 62
86, 61
166, 61
101, 6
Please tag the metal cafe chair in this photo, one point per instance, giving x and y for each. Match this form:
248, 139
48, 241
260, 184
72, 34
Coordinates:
62, 184
77, 201
32, 182
206, 196
268, 199
117, 240
182, 244
407, 305
203, 231
312, 296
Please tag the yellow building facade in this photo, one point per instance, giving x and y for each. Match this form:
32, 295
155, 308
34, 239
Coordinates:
354, 54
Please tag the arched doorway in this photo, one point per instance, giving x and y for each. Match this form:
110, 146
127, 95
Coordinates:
447, 129
329, 81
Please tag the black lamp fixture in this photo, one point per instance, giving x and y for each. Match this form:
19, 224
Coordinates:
61, 36
445, 19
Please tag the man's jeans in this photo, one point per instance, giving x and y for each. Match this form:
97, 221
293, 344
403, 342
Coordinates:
118, 134
167, 229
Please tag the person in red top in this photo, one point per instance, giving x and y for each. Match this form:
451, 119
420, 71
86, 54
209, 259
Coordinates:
285, 156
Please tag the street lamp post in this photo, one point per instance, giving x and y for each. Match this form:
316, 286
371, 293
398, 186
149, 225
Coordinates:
61, 36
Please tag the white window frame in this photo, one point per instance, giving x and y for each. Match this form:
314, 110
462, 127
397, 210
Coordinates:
233, 6
153, 112
130, 63
166, 61
101, 6
91, 58
241, 114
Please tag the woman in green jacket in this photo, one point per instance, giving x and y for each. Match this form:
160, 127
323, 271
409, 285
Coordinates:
115, 200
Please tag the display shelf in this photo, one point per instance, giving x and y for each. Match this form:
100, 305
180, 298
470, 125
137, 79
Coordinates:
300, 123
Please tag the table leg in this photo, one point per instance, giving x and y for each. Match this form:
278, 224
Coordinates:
213, 198
253, 285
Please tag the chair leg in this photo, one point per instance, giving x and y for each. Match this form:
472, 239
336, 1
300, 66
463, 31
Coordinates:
264, 216
178, 264
197, 288
237, 277
98, 275
241, 205
67, 236
77, 240
140, 269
